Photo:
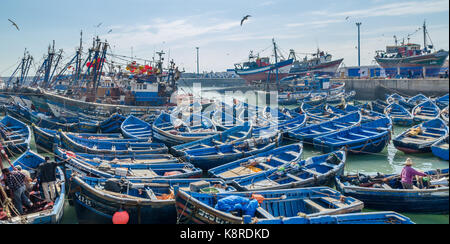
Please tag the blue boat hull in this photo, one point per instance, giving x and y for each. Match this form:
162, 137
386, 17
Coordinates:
93, 210
404, 202
441, 152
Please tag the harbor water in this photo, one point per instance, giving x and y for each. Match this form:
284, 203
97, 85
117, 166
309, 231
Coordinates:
389, 161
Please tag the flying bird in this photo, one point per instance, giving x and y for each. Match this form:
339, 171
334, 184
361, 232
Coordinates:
14, 24
99, 25
348, 17
245, 18
109, 31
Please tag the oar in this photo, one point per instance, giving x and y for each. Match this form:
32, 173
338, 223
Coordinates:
261, 198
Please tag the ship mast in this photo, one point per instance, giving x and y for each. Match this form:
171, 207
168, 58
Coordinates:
425, 35
276, 58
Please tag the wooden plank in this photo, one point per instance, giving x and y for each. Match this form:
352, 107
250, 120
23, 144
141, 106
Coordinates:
314, 205
335, 202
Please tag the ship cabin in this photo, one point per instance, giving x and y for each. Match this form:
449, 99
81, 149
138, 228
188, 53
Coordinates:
407, 50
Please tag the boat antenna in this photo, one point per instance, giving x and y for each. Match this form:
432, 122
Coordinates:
396, 41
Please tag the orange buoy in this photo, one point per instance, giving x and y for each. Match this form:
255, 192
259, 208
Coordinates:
120, 217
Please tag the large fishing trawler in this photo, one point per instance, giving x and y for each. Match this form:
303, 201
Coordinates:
410, 59
260, 69
319, 63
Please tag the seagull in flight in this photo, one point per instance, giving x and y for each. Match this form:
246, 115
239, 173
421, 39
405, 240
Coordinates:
99, 25
348, 17
245, 18
109, 31
14, 24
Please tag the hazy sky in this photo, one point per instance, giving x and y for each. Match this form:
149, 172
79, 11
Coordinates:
214, 26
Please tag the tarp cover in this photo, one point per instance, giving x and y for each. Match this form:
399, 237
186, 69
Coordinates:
236, 203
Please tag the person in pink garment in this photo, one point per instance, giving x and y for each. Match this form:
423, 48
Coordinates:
408, 174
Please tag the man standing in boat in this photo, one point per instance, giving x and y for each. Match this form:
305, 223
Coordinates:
408, 174
15, 181
47, 177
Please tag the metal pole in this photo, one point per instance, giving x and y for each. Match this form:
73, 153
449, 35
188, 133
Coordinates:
359, 43
198, 67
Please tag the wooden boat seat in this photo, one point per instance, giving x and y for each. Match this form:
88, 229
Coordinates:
294, 177
264, 213
266, 166
427, 138
148, 173
150, 194
312, 172
17, 141
237, 172
412, 140
335, 202
357, 135
431, 134
291, 153
314, 205
328, 165
215, 142
342, 138
280, 160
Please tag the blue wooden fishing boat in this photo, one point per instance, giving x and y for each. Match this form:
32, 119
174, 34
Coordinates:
230, 136
41, 212
442, 102
394, 98
45, 139
112, 147
419, 138
174, 131
256, 117
411, 103
367, 115
207, 158
112, 124
129, 159
199, 208
290, 125
440, 149
257, 163
44, 121
308, 133
15, 135
444, 115
138, 171
425, 112
225, 117
336, 100
345, 219
224, 121
385, 192
371, 137
275, 115
314, 171
146, 202
320, 113
135, 128
379, 106
399, 115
